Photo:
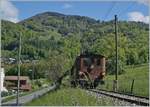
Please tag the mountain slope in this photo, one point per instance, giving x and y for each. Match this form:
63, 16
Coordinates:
63, 24
50, 32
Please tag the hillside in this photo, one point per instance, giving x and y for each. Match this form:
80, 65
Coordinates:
47, 36
140, 75
63, 24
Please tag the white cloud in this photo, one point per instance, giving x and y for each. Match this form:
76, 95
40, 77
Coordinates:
8, 11
67, 6
146, 2
138, 17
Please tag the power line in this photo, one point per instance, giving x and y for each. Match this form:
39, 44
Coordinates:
122, 13
110, 9
126, 9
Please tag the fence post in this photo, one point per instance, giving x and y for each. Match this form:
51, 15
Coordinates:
132, 86
115, 85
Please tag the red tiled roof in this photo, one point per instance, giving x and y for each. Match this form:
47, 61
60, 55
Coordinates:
16, 78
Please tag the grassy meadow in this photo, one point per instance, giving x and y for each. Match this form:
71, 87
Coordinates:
140, 74
69, 97
79, 97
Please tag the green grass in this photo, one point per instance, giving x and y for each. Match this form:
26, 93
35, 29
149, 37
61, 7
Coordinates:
38, 83
78, 97
140, 74
69, 97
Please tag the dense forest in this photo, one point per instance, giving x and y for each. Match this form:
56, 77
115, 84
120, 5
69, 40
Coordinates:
56, 39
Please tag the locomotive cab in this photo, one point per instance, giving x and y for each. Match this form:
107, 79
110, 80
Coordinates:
89, 70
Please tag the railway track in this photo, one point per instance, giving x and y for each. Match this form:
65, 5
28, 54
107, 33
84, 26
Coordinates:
138, 100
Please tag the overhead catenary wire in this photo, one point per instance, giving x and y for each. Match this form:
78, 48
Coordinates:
126, 9
109, 11
122, 13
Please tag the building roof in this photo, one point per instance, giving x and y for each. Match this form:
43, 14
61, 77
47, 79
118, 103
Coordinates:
16, 78
91, 55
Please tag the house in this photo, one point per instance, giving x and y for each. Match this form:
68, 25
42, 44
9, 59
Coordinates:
2, 76
8, 60
12, 81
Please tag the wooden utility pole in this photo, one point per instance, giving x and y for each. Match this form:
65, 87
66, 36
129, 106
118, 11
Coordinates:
33, 69
116, 49
18, 77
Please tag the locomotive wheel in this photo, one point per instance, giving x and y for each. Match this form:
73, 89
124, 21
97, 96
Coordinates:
96, 82
91, 86
83, 84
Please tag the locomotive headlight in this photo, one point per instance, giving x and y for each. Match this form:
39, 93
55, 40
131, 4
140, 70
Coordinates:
80, 73
103, 73
92, 66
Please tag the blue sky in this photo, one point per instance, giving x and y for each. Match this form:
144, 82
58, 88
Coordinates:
135, 11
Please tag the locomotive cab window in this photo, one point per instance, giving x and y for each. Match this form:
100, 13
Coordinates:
87, 62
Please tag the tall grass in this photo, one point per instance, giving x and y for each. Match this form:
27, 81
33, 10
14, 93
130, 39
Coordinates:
70, 97
140, 74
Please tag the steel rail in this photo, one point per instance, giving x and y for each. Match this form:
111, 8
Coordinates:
125, 94
144, 101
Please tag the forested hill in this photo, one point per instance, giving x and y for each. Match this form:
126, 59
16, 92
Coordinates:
63, 24
50, 33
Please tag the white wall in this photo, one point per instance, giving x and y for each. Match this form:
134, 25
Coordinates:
2, 76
